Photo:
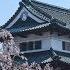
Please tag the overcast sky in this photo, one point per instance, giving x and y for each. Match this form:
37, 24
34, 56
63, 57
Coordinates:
8, 7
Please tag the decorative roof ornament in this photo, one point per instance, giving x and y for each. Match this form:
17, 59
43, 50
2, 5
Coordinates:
27, 2
24, 16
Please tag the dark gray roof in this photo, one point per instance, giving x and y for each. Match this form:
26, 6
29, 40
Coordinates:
30, 24
55, 12
41, 8
47, 56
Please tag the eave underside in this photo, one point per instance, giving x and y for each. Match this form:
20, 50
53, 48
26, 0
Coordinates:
44, 57
38, 30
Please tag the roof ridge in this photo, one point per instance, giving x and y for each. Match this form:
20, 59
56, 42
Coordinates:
41, 11
54, 6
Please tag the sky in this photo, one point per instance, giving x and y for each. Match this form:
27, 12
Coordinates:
9, 7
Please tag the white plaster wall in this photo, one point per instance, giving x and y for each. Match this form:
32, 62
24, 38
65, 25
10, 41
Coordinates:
47, 40
56, 44
46, 44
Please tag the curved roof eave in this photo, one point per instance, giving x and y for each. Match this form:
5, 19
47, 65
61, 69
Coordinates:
20, 8
40, 27
15, 15
12, 18
53, 6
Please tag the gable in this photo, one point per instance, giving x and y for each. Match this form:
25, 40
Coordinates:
28, 23
41, 13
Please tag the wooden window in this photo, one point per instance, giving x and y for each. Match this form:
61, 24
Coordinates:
33, 45
66, 46
30, 45
23, 46
63, 45
37, 44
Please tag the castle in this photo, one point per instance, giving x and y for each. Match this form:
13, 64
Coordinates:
41, 31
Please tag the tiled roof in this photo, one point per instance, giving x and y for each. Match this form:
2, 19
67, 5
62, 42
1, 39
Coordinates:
46, 4
65, 57
46, 56
44, 26
16, 30
29, 24
61, 14
38, 57
42, 8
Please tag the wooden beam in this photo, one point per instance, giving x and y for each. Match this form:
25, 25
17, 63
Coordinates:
22, 35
